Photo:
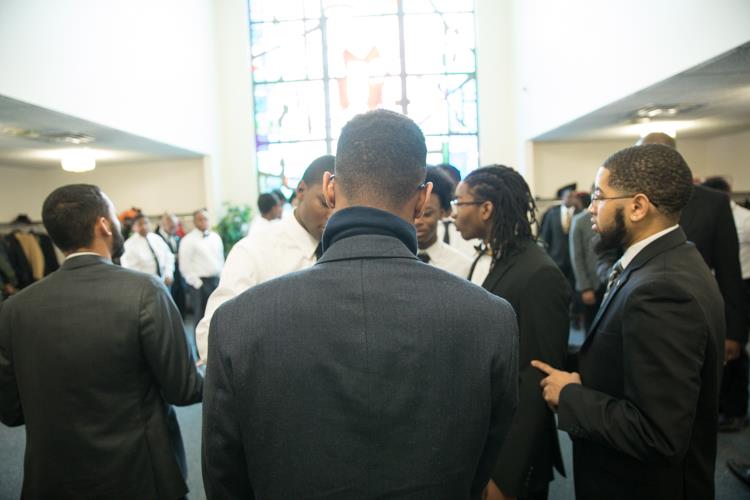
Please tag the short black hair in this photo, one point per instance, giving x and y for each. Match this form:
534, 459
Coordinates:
655, 170
138, 216
267, 202
314, 172
718, 183
514, 213
70, 212
381, 154
195, 214
280, 198
451, 171
442, 186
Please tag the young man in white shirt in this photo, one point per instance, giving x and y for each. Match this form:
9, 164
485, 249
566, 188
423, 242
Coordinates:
286, 246
433, 250
201, 258
147, 252
270, 209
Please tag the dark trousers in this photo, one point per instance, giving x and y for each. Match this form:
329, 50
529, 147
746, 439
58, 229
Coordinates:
199, 298
536, 495
733, 395
177, 290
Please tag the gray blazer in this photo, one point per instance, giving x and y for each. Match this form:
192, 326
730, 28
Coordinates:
356, 379
582, 255
90, 359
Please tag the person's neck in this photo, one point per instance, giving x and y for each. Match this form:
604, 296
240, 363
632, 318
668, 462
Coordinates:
268, 217
654, 227
301, 222
98, 249
427, 244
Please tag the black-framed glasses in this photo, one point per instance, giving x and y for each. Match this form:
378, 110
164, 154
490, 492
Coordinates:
456, 203
599, 197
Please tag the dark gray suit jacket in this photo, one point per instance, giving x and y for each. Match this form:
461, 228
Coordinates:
90, 359
355, 379
644, 421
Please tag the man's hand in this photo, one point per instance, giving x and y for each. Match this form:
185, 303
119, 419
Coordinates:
588, 297
732, 350
492, 492
554, 382
168, 281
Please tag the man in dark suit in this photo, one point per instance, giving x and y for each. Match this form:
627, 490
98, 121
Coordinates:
91, 357
354, 379
555, 228
495, 204
708, 222
643, 411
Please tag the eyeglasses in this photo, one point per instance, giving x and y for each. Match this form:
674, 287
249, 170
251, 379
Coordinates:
599, 197
456, 203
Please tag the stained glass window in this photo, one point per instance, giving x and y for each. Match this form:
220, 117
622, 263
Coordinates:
317, 63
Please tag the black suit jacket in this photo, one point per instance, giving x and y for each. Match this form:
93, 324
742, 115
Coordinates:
644, 421
90, 359
556, 241
708, 222
355, 379
539, 294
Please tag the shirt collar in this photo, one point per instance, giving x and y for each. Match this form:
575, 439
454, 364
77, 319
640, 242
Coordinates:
636, 248
78, 254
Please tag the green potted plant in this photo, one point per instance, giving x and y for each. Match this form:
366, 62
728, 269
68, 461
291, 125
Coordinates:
233, 226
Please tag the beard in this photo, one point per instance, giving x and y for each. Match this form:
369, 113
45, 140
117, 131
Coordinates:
118, 244
612, 239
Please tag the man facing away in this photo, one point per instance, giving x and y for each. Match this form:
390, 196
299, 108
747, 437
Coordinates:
643, 411
432, 250
147, 252
354, 379
290, 245
91, 358
201, 258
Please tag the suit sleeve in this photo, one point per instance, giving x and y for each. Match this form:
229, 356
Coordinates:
223, 456
543, 334
504, 383
578, 254
239, 273
11, 412
664, 341
165, 347
728, 273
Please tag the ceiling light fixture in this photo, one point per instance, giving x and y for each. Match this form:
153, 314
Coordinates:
78, 160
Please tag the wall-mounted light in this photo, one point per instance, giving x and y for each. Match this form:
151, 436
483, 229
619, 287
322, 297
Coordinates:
78, 160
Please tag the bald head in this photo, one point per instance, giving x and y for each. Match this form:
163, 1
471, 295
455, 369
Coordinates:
658, 138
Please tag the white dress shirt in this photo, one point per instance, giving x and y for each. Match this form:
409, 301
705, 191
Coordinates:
277, 249
201, 256
138, 255
636, 248
742, 221
447, 258
258, 223
481, 269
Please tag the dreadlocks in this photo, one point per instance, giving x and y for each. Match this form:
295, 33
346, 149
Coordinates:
514, 212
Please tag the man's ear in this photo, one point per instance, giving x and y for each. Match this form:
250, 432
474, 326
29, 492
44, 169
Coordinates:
486, 209
329, 189
640, 207
423, 197
103, 227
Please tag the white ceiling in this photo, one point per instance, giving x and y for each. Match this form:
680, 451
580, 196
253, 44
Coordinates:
715, 94
20, 122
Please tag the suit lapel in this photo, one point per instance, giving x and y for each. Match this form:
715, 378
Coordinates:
657, 247
499, 269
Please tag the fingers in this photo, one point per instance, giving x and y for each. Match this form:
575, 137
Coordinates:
539, 365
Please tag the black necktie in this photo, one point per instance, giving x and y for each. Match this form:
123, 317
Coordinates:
424, 257
318, 251
156, 259
446, 233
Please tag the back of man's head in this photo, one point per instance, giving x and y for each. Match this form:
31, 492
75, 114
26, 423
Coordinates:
70, 212
314, 172
718, 183
267, 202
380, 159
452, 172
657, 171
442, 186
658, 138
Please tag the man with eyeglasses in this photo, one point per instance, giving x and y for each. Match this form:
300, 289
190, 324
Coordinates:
643, 411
